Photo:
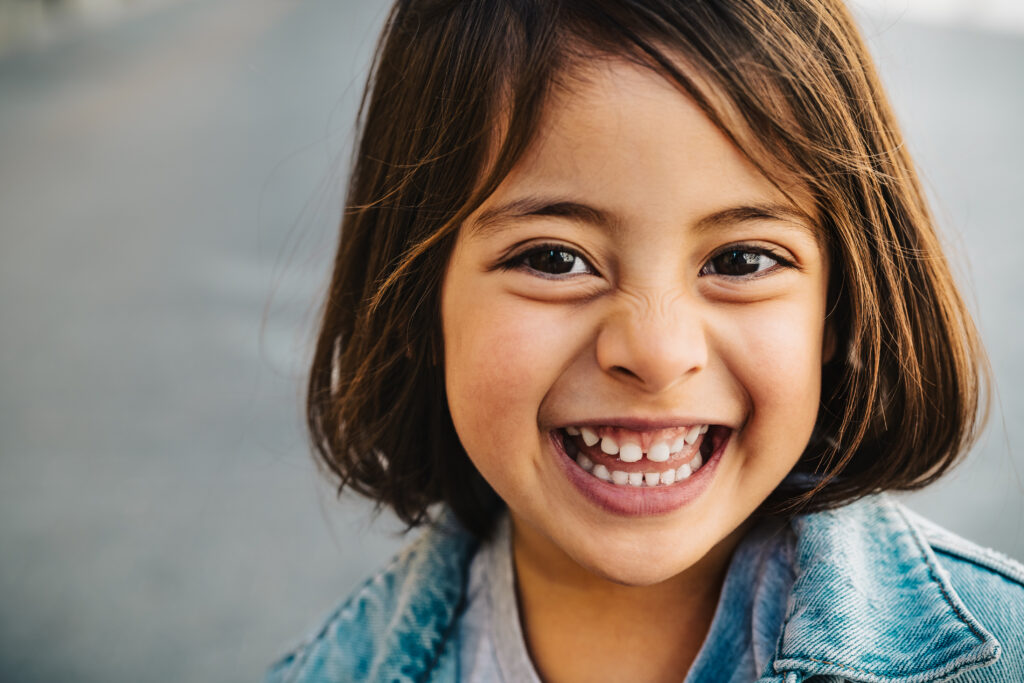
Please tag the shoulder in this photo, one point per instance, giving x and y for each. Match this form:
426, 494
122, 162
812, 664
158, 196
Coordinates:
396, 625
882, 594
973, 569
990, 586
967, 559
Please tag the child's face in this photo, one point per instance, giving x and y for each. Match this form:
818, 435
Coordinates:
634, 275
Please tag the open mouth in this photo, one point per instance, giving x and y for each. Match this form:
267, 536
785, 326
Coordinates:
649, 459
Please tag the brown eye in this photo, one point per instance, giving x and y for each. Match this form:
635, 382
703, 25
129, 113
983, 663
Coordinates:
554, 261
739, 263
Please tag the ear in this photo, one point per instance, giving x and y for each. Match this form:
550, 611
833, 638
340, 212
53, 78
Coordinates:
828, 344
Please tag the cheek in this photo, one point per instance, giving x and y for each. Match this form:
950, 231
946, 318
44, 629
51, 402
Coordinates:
776, 356
501, 359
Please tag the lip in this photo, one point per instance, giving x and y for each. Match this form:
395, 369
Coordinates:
642, 424
631, 501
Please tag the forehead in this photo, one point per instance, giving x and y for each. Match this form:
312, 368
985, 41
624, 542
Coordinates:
628, 139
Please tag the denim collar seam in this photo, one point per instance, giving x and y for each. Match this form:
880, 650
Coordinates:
442, 551
798, 664
941, 541
964, 617
990, 647
400, 615
982, 562
298, 658
449, 562
842, 667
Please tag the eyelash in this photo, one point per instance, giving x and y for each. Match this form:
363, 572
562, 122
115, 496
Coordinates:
780, 261
518, 261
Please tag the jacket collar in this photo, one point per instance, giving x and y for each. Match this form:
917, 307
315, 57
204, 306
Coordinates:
870, 602
420, 639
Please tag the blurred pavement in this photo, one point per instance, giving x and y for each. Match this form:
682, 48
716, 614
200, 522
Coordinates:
169, 190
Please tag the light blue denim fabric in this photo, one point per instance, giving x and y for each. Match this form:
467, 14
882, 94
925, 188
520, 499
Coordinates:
876, 595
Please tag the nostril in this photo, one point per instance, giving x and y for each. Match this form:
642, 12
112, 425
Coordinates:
620, 370
652, 357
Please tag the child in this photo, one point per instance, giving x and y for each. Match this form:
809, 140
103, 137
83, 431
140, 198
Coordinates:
637, 306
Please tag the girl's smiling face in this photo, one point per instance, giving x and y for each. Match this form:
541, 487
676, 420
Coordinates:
633, 279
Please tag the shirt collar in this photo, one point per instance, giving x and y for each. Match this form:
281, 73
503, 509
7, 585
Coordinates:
871, 603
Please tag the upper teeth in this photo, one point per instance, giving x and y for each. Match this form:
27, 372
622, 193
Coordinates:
659, 452
692, 434
630, 451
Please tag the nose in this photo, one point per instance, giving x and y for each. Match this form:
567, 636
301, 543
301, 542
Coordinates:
652, 345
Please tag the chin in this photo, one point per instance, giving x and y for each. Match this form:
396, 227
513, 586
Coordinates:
639, 563
630, 574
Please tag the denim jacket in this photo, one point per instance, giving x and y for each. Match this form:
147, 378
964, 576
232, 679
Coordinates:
879, 595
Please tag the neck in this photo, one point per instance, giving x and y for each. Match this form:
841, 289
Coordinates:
579, 626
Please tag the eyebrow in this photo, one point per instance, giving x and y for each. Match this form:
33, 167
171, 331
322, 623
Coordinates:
490, 220
767, 211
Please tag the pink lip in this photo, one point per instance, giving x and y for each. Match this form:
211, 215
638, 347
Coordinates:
640, 424
630, 501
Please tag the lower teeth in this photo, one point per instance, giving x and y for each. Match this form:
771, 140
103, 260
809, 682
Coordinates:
640, 479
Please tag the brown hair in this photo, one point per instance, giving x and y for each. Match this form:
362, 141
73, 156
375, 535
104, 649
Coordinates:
788, 81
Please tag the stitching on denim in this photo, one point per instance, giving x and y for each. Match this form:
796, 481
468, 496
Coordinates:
869, 672
931, 571
913, 533
343, 614
942, 589
451, 629
843, 666
945, 542
850, 667
790, 609
778, 648
299, 655
980, 563
956, 667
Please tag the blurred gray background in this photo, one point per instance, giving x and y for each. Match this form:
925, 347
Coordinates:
171, 176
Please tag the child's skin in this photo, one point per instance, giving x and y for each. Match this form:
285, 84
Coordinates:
646, 323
